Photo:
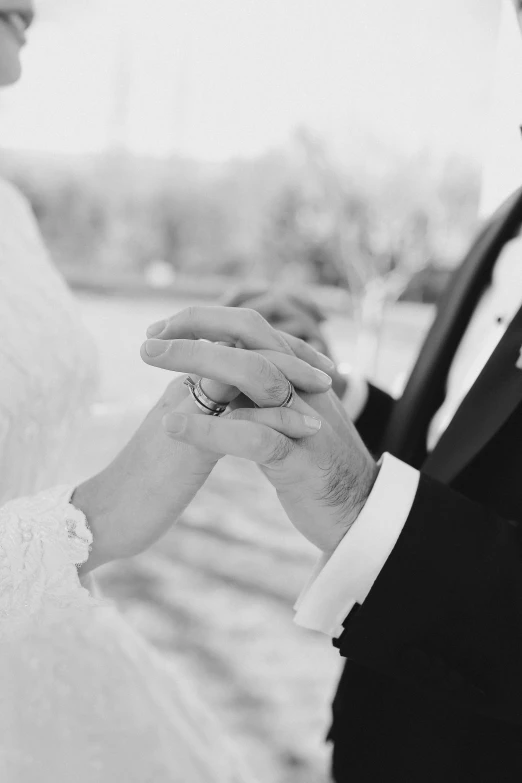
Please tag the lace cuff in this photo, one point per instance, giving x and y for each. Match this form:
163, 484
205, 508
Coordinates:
43, 538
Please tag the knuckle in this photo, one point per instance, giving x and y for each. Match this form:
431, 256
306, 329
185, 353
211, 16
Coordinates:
259, 367
300, 346
190, 312
192, 316
241, 414
267, 375
278, 449
305, 351
168, 322
284, 344
282, 416
188, 349
276, 388
253, 316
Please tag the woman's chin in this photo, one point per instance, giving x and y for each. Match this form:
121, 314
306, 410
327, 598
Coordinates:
10, 66
9, 72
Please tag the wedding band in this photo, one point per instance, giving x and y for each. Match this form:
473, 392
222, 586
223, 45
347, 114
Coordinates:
204, 403
289, 397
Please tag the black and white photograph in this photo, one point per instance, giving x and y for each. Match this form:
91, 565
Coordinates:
260, 391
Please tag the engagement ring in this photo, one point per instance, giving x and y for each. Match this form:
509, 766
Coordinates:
204, 403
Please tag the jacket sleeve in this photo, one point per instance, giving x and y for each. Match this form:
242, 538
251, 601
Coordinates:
445, 612
373, 420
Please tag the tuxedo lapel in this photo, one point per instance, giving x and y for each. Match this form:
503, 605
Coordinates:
487, 406
424, 393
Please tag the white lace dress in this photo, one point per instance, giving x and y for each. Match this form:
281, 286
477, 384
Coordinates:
82, 697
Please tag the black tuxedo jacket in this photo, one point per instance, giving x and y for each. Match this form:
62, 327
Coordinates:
432, 687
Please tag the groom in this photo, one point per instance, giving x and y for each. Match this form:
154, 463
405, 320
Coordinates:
420, 586
432, 687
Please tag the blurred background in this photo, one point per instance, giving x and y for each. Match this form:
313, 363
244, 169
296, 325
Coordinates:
173, 151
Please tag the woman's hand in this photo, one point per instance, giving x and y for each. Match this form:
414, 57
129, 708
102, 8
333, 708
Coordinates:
144, 490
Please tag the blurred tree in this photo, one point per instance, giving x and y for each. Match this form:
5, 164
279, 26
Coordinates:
291, 215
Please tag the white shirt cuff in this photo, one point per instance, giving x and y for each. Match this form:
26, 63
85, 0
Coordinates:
356, 395
347, 576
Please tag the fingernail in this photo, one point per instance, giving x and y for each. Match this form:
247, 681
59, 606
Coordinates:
326, 361
174, 422
312, 423
323, 377
156, 347
156, 328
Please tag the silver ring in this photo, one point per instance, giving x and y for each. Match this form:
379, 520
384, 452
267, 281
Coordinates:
289, 397
204, 403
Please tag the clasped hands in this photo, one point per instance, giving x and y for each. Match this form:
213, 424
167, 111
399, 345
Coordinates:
310, 452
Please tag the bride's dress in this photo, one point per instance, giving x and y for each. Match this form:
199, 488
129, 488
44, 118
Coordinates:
82, 697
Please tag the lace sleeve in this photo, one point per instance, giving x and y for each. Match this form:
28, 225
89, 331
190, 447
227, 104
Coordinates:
43, 538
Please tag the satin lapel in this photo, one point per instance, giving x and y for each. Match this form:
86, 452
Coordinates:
424, 393
489, 403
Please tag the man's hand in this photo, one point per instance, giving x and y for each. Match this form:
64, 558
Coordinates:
322, 480
293, 313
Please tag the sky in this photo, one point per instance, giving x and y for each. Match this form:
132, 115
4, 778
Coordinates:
216, 79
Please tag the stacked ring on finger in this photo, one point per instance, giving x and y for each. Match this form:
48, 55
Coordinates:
204, 403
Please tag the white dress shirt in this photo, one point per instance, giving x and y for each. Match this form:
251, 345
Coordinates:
346, 577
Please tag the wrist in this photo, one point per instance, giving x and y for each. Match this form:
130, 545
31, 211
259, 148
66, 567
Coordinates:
361, 494
88, 498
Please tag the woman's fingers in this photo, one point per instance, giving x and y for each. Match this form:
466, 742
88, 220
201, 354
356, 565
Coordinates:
262, 375
237, 326
263, 436
221, 323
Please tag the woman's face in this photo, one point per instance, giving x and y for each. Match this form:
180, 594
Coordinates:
15, 18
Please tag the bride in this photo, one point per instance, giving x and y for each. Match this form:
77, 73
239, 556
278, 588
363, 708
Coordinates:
83, 697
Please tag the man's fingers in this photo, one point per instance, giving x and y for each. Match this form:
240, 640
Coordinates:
307, 304
221, 323
304, 328
274, 308
309, 354
274, 304
264, 436
299, 327
301, 374
287, 421
261, 375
